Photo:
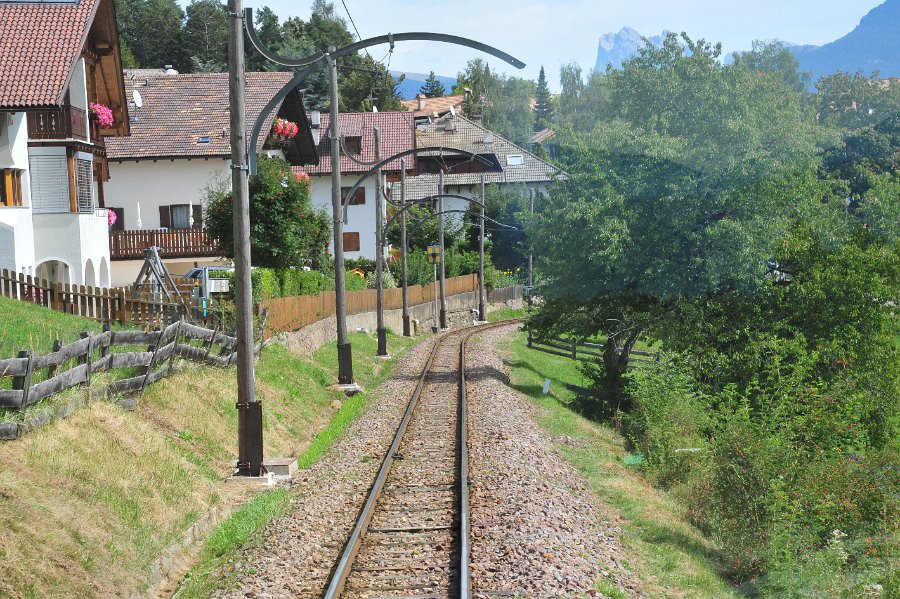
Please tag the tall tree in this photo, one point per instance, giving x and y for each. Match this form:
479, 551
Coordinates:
543, 108
683, 187
271, 34
774, 59
503, 103
206, 35
153, 30
432, 88
571, 86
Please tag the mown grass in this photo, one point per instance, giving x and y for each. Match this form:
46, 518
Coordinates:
25, 326
245, 525
670, 557
89, 502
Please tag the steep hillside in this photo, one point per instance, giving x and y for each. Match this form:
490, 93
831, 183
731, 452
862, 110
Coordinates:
874, 45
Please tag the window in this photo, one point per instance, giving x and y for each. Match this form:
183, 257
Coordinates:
10, 187
84, 185
515, 160
177, 216
360, 197
353, 144
181, 218
351, 242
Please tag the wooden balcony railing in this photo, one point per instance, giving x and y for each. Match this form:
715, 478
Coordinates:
68, 122
175, 243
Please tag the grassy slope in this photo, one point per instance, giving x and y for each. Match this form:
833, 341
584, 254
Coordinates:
670, 557
89, 502
24, 326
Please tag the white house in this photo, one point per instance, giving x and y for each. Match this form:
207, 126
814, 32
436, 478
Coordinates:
396, 134
57, 59
179, 145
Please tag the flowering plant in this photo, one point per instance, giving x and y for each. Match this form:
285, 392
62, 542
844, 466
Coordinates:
103, 114
111, 217
285, 128
301, 177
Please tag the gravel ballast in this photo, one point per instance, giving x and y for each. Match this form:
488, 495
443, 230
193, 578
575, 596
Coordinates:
538, 532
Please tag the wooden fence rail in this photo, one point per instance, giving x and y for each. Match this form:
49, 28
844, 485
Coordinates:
102, 304
582, 350
35, 378
292, 313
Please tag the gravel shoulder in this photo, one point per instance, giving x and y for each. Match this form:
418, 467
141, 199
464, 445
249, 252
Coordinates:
538, 530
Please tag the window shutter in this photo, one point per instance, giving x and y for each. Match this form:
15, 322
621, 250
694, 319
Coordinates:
120, 219
49, 184
198, 216
351, 242
165, 220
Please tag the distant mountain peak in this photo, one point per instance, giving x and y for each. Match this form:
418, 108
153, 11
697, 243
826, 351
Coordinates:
616, 48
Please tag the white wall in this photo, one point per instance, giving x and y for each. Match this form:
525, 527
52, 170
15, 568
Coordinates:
160, 183
360, 219
73, 239
16, 227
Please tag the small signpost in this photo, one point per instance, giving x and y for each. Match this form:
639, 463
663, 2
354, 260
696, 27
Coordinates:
434, 258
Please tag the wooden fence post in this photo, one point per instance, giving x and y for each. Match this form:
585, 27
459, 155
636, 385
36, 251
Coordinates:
54, 370
104, 347
88, 358
574, 349
23, 383
152, 349
529, 339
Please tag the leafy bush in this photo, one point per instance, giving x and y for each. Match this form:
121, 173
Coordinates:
354, 282
667, 422
285, 229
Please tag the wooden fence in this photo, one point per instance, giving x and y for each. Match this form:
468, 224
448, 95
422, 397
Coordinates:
506, 294
149, 358
103, 304
292, 313
583, 350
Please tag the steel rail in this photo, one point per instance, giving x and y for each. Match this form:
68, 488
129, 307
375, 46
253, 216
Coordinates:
345, 565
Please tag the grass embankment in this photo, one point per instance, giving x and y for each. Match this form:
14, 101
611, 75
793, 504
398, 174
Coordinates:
88, 503
670, 557
24, 326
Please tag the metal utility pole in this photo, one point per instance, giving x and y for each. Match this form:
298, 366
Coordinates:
406, 328
441, 244
345, 357
482, 310
250, 444
379, 256
531, 248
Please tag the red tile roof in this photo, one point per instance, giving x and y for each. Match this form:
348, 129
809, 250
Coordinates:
39, 44
396, 131
177, 110
438, 106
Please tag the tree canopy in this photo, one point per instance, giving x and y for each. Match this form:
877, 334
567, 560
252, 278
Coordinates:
432, 88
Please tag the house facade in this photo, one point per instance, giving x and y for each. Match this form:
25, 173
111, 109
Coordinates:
179, 146
500, 162
396, 132
57, 60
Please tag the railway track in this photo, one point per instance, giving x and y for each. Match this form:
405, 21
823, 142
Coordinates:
411, 539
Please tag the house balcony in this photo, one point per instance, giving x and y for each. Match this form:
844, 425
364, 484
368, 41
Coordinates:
69, 122
175, 243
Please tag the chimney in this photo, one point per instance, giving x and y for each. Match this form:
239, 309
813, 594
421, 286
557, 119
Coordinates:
421, 99
466, 93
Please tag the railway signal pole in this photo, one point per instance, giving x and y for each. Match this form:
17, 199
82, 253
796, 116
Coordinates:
482, 310
403, 276
443, 252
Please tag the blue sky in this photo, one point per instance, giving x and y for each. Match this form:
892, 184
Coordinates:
551, 33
